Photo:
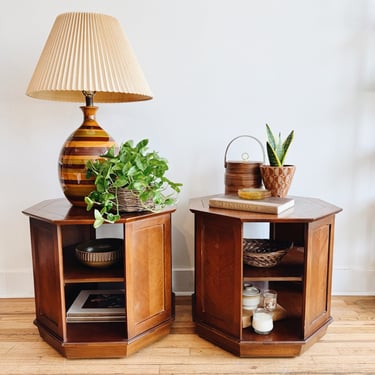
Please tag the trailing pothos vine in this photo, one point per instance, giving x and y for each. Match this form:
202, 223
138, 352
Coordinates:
132, 167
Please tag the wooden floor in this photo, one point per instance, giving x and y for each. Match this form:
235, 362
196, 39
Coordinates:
347, 348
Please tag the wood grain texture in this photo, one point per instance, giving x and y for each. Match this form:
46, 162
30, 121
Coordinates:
220, 271
347, 348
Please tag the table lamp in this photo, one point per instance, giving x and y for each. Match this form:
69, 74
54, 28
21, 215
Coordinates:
87, 56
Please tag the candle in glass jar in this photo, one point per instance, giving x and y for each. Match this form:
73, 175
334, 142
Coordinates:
269, 299
262, 321
250, 298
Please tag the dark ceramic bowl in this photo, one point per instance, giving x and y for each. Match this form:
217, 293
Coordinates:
100, 253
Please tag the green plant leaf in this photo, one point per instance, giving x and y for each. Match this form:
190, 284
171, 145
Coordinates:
89, 203
270, 137
121, 181
132, 167
272, 156
277, 149
99, 220
286, 145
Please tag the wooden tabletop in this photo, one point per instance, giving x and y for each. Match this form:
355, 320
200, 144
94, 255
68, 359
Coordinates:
304, 210
61, 211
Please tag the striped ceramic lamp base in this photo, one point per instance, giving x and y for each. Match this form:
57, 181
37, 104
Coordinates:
86, 143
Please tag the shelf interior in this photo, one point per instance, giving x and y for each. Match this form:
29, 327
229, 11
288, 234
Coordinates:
72, 290
289, 296
76, 272
96, 332
289, 329
291, 268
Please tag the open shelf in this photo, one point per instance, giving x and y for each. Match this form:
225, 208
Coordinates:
290, 297
288, 329
73, 289
76, 272
88, 332
290, 268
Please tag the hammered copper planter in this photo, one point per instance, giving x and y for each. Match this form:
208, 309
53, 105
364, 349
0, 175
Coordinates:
277, 179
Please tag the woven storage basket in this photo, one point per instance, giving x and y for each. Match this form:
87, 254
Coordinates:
264, 253
128, 200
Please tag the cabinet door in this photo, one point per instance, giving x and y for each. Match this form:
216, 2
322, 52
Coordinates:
47, 253
218, 269
148, 273
318, 270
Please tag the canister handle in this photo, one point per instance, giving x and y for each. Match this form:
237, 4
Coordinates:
247, 136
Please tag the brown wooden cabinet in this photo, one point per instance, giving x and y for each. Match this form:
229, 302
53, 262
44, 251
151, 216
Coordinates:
144, 275
302, 279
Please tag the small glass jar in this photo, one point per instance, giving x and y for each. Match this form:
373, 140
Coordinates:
250, 298
269, 299
262, 321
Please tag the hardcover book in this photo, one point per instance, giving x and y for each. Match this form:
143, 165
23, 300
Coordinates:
97, 306
270, 205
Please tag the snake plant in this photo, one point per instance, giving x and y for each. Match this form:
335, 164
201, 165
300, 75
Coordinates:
276, 148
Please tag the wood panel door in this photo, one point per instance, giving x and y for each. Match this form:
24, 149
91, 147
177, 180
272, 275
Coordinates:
318, 271
48, 283
148, 273
219, 273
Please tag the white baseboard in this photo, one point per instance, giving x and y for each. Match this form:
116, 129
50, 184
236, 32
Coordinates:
183, 281
353, 281
16, 284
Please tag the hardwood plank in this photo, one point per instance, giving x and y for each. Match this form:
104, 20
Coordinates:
347, 348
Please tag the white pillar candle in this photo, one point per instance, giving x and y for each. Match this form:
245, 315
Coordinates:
262, 321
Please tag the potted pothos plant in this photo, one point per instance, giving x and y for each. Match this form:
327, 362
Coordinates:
277, 176
130, 179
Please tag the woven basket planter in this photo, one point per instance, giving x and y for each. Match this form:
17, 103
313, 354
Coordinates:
264, 253
129, 200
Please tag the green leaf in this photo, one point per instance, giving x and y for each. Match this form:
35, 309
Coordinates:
133, 167
89, 203
270, 137
111, 218
99, 220
272, 156
286, 145
110, 153
277, 150
121, 181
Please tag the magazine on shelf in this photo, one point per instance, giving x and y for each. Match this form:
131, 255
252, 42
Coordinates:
97, 306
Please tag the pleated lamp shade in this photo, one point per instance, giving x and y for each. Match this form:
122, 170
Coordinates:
86, 56
88, 52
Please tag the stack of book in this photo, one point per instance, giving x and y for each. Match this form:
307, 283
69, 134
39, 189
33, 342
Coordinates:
92, 306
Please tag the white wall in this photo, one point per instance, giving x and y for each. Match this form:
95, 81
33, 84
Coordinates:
218, 69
